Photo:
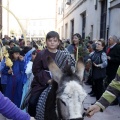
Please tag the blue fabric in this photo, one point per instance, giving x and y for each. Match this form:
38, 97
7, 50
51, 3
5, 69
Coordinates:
70, 48
3, 76
14, 82
40, 109
27, 58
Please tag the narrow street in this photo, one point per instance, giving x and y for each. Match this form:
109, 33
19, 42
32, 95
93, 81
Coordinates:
111, 113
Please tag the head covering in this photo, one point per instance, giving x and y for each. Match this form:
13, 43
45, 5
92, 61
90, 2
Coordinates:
15, 49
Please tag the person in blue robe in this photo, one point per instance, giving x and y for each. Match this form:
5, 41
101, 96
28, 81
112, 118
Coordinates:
14, 85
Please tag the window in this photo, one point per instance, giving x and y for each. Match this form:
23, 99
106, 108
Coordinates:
91, 32
103, 19
83, 24
66, 30
72, 28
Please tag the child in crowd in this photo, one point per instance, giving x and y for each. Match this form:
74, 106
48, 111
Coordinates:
14, 77
42, 75
31, 54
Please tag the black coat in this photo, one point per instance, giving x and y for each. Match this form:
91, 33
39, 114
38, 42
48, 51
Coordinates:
114, 62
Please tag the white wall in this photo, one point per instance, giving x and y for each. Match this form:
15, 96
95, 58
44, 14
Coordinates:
92, 18
115, 22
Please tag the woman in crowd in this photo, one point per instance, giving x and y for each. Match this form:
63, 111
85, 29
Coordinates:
99, 63
78, 43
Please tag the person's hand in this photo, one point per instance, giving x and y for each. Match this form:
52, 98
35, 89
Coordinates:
89, 60
32, 118
92, 110
95, 65
108, 57
49, 81
10, 71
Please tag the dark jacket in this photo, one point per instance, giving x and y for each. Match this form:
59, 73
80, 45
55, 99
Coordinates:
114, 62
99, 58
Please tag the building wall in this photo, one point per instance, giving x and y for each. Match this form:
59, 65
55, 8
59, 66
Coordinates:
93, 18
74, 12
115, 22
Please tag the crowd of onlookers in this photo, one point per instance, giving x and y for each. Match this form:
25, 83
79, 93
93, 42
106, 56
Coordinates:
101, 58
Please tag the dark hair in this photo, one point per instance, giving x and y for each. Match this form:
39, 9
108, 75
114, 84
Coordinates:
91, 42
102, 42
11, 42
22, 53
26, 49
20, 39
52, 34
34, 52
35, 46
78, 35
61, 45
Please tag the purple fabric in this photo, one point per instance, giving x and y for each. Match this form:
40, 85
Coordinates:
9, 110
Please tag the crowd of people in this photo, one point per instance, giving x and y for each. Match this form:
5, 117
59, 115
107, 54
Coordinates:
30, 73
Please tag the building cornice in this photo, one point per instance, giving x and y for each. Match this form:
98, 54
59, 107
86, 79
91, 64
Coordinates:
71, 10
74, 8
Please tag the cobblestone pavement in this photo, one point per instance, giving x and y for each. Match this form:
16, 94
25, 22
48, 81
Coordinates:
111, 113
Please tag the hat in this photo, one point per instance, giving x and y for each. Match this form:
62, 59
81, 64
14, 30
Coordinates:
15, 49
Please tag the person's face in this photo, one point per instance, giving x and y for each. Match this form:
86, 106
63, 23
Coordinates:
16, 55
28, 44
11, 45
110, 41
99, 46
52, 43
75, 40
33, 56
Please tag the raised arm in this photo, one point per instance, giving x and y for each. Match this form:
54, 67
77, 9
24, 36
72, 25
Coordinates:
112, 91
10, 110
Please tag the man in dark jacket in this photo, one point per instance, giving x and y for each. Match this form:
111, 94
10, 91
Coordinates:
113, 56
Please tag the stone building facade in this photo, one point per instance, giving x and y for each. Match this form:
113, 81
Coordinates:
94, 18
